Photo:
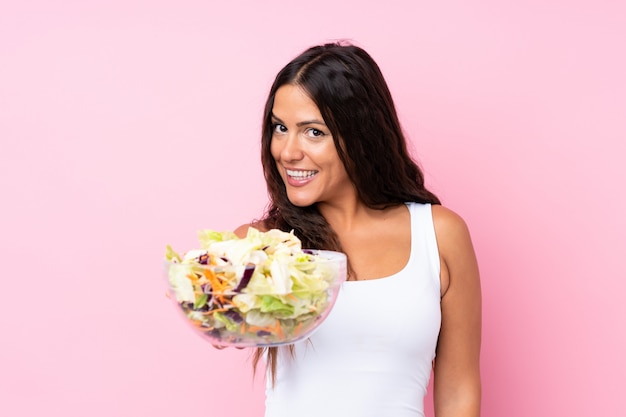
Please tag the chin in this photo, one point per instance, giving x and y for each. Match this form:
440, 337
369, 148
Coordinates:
300, 201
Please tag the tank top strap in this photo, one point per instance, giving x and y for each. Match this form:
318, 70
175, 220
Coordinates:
424, 247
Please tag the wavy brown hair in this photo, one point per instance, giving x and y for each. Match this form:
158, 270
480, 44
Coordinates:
354, 100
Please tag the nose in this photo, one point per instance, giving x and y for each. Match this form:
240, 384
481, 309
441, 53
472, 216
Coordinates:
291, 148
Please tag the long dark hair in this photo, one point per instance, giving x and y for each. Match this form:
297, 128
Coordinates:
354, 100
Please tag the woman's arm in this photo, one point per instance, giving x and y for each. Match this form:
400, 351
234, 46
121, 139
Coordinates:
242, 231
457, 388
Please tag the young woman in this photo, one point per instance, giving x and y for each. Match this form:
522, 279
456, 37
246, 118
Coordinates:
339, 175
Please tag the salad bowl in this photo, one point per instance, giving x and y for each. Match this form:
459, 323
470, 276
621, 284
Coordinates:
259, 296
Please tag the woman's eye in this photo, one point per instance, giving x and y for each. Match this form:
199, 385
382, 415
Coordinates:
278, 128
314, 133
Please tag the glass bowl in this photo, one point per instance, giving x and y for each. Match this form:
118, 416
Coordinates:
249, 315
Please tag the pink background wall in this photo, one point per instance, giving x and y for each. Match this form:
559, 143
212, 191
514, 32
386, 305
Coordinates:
128, 125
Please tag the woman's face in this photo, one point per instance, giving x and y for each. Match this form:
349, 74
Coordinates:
304, 151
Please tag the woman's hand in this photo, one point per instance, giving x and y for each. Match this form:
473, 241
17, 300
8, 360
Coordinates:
220, 347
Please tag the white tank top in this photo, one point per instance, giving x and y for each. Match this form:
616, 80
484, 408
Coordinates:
373, 354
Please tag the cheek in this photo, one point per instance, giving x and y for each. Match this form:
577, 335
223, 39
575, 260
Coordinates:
330, 158
274, 150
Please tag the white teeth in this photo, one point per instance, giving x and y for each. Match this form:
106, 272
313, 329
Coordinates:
301, 174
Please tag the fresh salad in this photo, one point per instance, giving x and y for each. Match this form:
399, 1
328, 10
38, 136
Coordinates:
263, 289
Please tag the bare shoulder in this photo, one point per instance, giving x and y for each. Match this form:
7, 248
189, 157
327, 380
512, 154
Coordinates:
449, 226
456, 250
242, 230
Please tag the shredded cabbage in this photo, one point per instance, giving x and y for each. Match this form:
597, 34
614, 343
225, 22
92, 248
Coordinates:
288, 290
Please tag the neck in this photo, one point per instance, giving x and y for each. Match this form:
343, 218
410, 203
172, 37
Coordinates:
347, 216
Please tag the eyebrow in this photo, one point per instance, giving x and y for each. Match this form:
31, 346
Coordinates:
303, 123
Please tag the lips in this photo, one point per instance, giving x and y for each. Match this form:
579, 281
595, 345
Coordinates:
298, 177
300, 174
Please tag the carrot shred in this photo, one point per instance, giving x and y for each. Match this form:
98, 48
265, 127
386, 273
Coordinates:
279, 329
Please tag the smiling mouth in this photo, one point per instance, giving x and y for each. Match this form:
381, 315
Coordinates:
300, 175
